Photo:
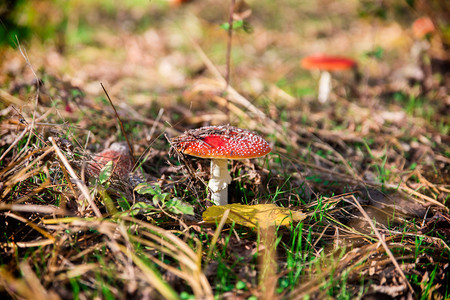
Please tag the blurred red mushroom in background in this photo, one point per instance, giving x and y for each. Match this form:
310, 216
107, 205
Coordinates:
220, 143
420, 68
422, 27
326, 64
178, 2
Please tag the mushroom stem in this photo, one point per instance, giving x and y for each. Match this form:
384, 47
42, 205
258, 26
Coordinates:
220, 179
324, 86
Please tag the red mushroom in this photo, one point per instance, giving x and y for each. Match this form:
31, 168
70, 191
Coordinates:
178, 2
422, 26
119, 154
221, 143
326, 64
420, 69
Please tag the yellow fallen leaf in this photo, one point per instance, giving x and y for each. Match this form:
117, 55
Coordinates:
264, 215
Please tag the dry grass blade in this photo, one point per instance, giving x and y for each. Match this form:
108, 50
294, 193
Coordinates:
234, 95
78, 271
350, 261
27, 287
189, 270
16, 140
154, 240
218, 232
8, 98
22, 174
170, 236
36, 97
81, 185
383, 243
166, 242
41, 188
31, 244
33, 282
31, 224
65, 220
151, 276
41, 209
407, 189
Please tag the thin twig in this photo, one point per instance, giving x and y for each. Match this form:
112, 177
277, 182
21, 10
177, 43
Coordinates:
36, 98
120, 123
228, 58
144, 156
229, 43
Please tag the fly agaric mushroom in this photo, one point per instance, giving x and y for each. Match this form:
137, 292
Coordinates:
326, 64
422, 27
220, 143
119, 154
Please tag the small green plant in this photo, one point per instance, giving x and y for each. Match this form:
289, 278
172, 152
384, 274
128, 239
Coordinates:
162, 200
238, 25
377, 53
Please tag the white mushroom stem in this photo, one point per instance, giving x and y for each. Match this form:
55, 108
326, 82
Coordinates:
324, 86
220, 179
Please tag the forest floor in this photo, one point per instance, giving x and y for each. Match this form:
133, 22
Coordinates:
369, 168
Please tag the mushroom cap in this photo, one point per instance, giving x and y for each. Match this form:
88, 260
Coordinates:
119, 154
422, 26
327, 63
221, 142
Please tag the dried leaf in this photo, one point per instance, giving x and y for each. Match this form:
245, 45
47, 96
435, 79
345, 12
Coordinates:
251, 215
